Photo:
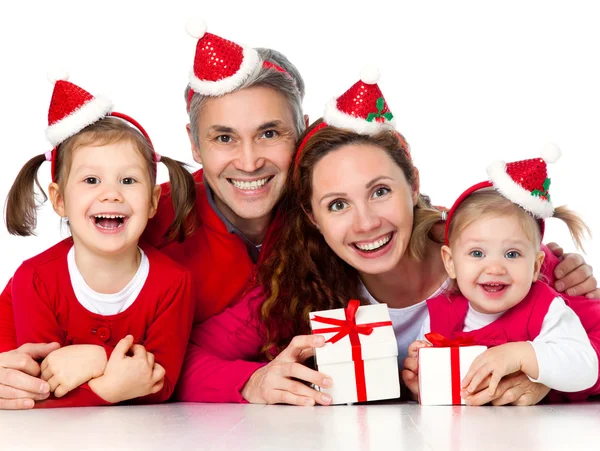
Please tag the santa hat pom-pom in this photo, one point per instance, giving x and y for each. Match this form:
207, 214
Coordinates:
369, 75
551, 153
196, 27
55, 75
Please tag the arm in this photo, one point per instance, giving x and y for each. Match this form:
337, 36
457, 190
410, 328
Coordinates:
565, 358
167, 337
8, 338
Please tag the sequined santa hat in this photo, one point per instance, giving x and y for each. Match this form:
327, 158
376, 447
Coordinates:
525, 183
72, 109
362, 109
220, 65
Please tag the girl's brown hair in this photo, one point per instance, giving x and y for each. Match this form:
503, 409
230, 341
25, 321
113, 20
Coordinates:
22, 202
303, 274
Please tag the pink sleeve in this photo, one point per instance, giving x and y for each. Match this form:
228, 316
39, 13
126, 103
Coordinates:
550, 262
8, 338
218, 359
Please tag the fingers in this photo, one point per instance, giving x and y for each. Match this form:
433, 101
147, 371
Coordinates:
509, 396
555, 249
53, 382
150, 358
413, 349
411, 364
300, 348
571, 285
7, 392
47, 374
21, 381
158, 386
122, 347
411, 380
16, 404
139, 352
594, 294
38, 351
569, 264
19, 361
158, 373
61, 391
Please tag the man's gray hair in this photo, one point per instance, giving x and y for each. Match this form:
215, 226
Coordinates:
292, 87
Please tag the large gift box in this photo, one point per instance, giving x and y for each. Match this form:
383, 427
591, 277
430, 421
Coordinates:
360, 354
442, 367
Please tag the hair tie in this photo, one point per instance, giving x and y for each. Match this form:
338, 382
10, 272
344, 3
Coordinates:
48, 155
444, 215
158, 157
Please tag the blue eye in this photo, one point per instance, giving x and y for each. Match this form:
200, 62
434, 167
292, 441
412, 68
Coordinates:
381, 191
91, 180
512, 254
128, 181
337, 205
476, 254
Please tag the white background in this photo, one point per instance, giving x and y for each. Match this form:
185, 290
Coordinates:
468, 81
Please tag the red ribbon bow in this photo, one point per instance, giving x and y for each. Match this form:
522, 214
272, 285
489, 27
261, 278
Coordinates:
350, 328
439, 341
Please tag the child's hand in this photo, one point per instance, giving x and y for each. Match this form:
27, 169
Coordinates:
71, 366
130, 373
496, 363
410, 373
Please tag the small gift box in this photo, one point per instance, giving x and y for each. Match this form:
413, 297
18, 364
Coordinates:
442, 368
360, 353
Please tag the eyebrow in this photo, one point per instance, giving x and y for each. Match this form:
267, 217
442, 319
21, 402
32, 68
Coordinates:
262, 127
367, 186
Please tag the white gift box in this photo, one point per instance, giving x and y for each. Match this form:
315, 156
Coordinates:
360, 353
441, 370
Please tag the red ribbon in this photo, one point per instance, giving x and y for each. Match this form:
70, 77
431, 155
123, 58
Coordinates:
439, 341
350, 328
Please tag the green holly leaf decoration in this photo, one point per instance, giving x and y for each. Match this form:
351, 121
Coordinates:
536, 192
546, 184
389, 116
380, 104
371, 117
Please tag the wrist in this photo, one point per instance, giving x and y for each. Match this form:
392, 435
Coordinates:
102, 387
248, 390
528, 359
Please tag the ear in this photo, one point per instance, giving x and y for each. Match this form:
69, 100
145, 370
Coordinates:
537, 265
155, 197
448, 261
306, 120
195, 151
57, 199
311, 218
416, 187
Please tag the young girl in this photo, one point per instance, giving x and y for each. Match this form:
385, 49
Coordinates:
120, 310
492, 251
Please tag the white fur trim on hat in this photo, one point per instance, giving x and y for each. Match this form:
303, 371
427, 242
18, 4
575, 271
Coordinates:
516, 193
91, 111
335, 117
218, 88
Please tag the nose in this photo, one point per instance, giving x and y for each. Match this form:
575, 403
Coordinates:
495, 268
249, 158
365, 219
111, 193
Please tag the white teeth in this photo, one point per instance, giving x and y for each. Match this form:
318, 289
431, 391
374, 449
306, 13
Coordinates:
375, 245
250, 185
109, 216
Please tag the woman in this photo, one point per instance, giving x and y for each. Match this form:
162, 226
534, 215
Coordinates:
361, 237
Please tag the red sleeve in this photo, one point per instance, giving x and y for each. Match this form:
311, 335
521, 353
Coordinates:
35, 322
217, 363
167, 337
8, 338
550, 262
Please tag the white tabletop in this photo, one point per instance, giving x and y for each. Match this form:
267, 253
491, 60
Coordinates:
371, 427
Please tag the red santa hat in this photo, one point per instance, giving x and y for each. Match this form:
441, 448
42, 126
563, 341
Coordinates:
72, 109
220, 65
524, 183
362, 109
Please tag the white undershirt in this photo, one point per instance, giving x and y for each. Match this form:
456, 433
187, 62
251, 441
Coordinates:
107, 304
406, 321
566, 359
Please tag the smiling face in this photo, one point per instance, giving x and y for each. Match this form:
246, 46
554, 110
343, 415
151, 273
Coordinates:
494, 262
363, 206
246, 142
107, 197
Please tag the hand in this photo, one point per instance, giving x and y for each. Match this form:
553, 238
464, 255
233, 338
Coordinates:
498, 362
410, 373
573, 275
71, 366
20, 386
129, 376
516, 389
274, 383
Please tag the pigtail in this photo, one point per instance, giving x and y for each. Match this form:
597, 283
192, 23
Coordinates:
21, 205
183, 196
577, 227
